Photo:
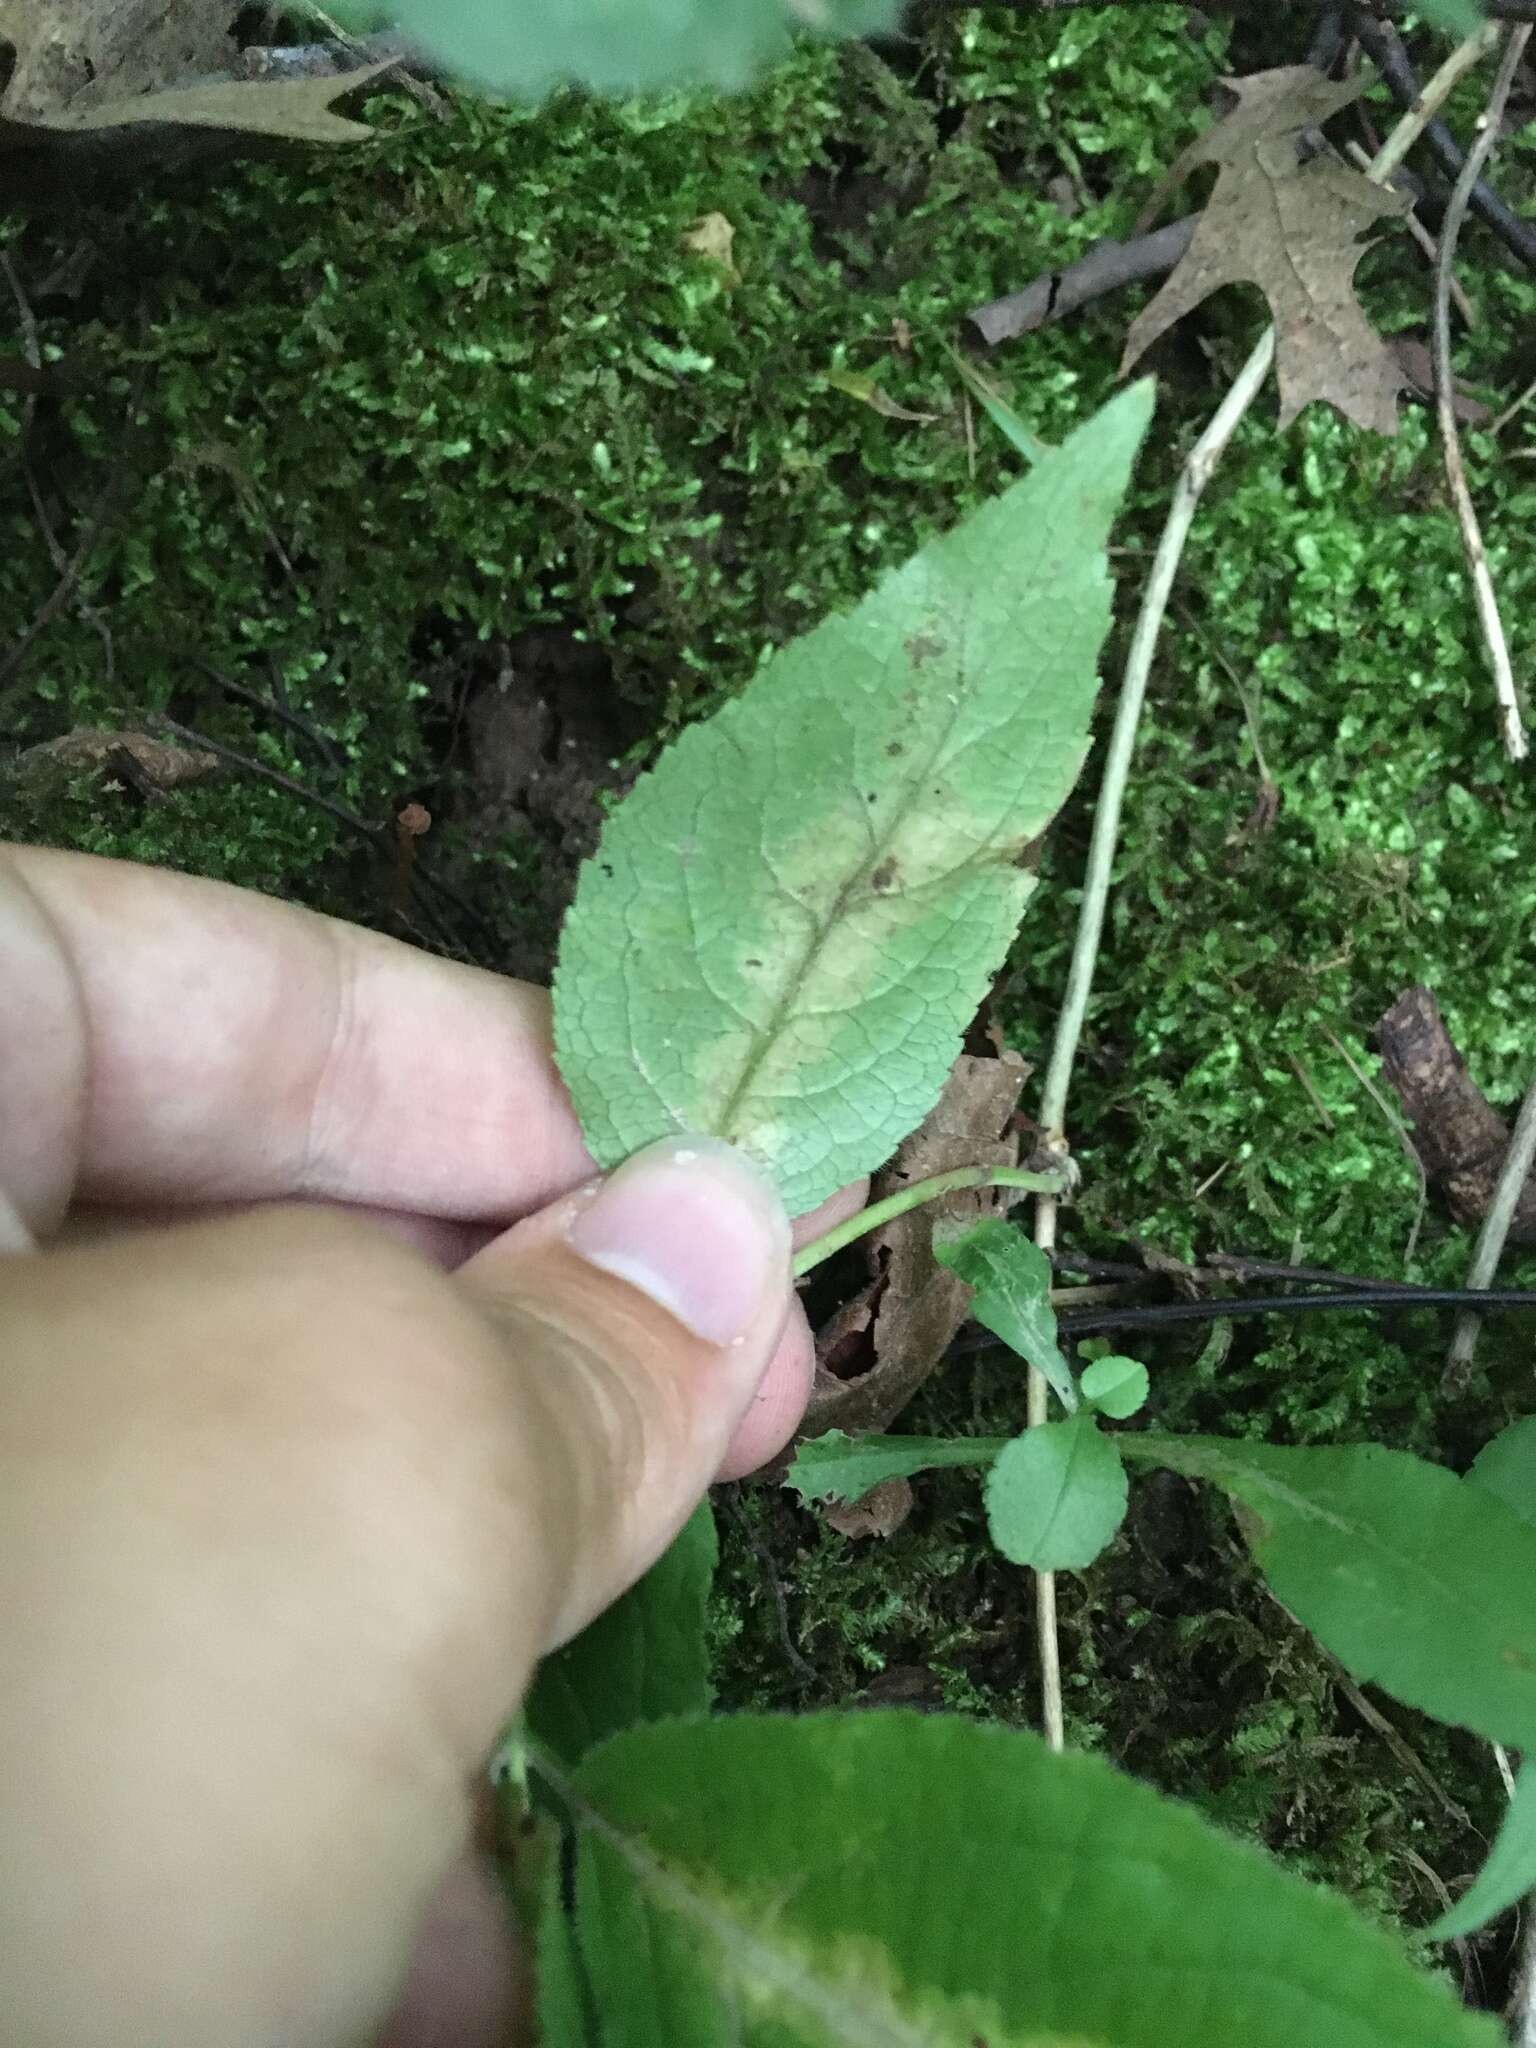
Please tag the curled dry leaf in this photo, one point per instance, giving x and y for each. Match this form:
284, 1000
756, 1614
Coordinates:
1292, 228
90, 746
913, 1308
880, 1512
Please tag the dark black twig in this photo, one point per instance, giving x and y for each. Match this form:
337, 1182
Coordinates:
1294, 1304
1384, 46
803, 1670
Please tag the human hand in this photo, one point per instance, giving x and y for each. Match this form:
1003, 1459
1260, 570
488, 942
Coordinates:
291, 1503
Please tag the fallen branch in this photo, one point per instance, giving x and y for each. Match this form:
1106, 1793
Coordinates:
1458, 1134
1510, 723
1107, 266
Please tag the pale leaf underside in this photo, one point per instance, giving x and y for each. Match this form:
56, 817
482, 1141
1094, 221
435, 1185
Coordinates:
789, 923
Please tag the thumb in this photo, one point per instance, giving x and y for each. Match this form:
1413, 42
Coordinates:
640, 1315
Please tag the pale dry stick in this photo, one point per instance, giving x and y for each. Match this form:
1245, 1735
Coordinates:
1513, 410
1196, 474
1513, 1175
1361, 159
1511, 725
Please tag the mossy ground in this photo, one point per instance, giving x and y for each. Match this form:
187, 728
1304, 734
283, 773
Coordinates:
365, 419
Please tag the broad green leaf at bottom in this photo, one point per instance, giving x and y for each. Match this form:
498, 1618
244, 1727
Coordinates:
789, 923
895, 1880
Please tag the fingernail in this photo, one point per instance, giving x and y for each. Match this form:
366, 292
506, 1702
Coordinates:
697, 1228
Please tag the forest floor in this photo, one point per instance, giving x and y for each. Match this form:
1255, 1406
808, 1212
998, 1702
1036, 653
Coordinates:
443, 470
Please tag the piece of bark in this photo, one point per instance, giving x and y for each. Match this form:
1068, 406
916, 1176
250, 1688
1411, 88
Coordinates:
921, 1304
1459, 1135
1107, 266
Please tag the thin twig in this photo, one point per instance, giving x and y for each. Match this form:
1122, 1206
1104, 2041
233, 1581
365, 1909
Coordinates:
1360, 158
1384, 46
1512, 410
1399, 1129
1196, 474
1510, 723
1513, 1174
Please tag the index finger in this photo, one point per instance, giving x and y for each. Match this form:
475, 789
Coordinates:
167, 1039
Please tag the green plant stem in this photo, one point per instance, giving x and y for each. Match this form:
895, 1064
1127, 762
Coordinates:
1196, 474
1513, 1175
880, 1213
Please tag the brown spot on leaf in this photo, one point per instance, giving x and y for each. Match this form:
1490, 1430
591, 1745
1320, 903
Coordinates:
894, 751
884, 878
923, 647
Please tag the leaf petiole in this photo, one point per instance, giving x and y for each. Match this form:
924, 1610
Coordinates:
880, 1213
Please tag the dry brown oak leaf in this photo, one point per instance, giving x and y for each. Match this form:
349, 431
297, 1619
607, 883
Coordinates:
98, 64
1292, 228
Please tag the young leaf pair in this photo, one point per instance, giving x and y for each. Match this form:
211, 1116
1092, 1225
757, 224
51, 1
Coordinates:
1056, 1494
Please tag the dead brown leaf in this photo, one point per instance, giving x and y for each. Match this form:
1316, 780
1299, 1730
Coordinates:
880, 1512
713, 237
84, 53
95, 64
1293, 229
91, 746
921, 1304
875, 396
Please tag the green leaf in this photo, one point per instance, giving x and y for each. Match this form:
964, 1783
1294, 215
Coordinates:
1056, 1495
789, 924
1012, 1282
841, 1467
624, 46
1115, 1386
1459, 18
900, 1880
1416, 1581
1507, 1467
1510, 1869
645, 1659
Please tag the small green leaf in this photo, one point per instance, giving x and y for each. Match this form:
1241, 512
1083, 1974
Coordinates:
1509, 1872
1056, 1495
901, 1880
624, 46
1416, 1581
1012, 1282
841, 1467
645, 1659
1507, 1467
788, 925
1115, 1386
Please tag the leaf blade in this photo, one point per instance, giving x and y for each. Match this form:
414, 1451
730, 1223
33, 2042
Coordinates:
753, 1880
1012, 1298
790, 921
842, 1467
1056, 1495
1416, 1581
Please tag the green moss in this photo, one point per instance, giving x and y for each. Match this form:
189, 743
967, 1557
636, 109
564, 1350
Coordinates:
369, 412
